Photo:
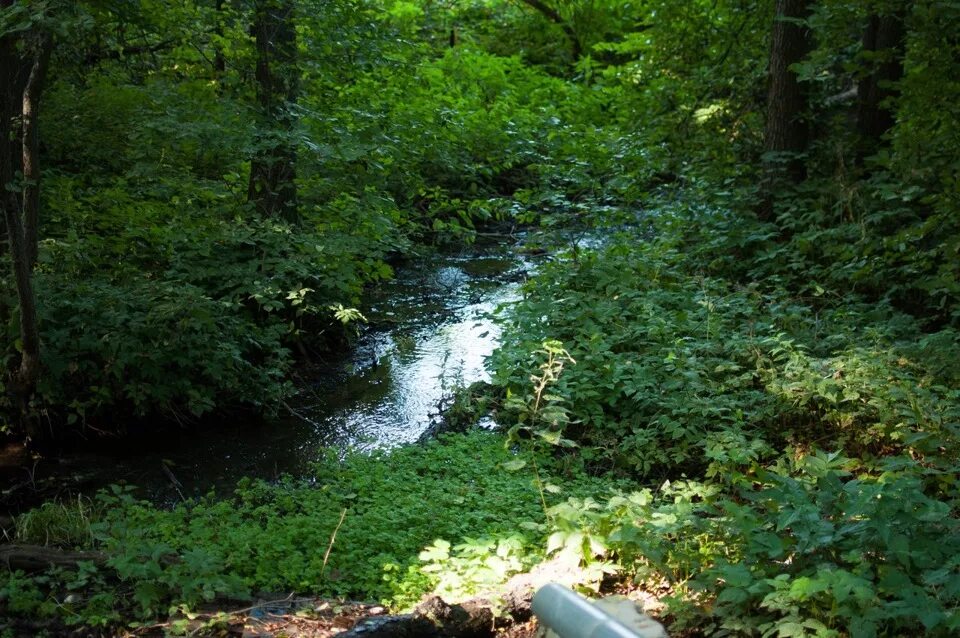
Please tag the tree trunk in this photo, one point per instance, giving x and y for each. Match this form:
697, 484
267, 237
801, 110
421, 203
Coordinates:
219, 59
883, 42
785, 134
273, 168
24, 65
31, 145
13, 80
576, 47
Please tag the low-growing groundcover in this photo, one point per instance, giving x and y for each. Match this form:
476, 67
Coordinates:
453, 496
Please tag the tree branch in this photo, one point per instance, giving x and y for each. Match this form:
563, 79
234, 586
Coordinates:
554, 16
96, 57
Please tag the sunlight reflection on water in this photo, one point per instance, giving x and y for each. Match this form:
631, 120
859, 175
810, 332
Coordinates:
430, 329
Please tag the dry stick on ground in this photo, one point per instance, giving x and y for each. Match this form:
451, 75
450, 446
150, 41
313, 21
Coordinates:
164, 625
246, 610
333, 537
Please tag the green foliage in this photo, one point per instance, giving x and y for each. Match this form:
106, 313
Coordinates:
541, 415
162, 293
867, 554
152, 349
476, 565
196, 313
79, 596
417, 519
21, 594
674, 369
877, 216
64, 524
808, 548
682, 375
275, 537
451, 141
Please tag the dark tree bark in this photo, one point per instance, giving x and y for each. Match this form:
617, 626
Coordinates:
273, 168
24, 58
883, 45
785, 135
31, 145
219, 60
576, 47
13, 79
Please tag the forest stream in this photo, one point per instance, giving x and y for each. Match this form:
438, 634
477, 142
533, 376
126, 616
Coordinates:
703, 354
429, 329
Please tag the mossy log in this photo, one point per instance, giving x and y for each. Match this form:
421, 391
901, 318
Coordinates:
35, 558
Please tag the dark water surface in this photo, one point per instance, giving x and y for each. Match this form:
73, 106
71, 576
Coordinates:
430, 328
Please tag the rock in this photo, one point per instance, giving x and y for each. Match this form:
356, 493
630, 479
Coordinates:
627, 612
433, 618
470, 620
402, 626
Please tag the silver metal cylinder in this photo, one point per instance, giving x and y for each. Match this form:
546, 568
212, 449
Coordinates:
570, 615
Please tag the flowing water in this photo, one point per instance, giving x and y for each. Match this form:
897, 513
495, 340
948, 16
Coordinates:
430, 328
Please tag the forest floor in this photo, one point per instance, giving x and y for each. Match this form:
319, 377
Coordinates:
299, 617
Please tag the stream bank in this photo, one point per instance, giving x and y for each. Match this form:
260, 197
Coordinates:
429, 330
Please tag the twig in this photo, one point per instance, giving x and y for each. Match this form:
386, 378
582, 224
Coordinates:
495, 235
164, 625
333, 537
266, 603
299, 415
173, 479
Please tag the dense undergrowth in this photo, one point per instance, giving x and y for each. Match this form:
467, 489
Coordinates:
803, 446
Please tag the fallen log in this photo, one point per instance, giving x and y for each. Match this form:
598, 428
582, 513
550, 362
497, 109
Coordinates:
36, 558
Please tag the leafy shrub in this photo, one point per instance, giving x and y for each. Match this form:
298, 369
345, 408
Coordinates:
152, 308
670, 364
151, 348
797, 549
475, 566
824, 552
680, 374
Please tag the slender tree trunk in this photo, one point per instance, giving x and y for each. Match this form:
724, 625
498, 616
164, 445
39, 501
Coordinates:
883, 43
13, 79
23, 66
785, 134
219, 60
31, 146
273, 168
